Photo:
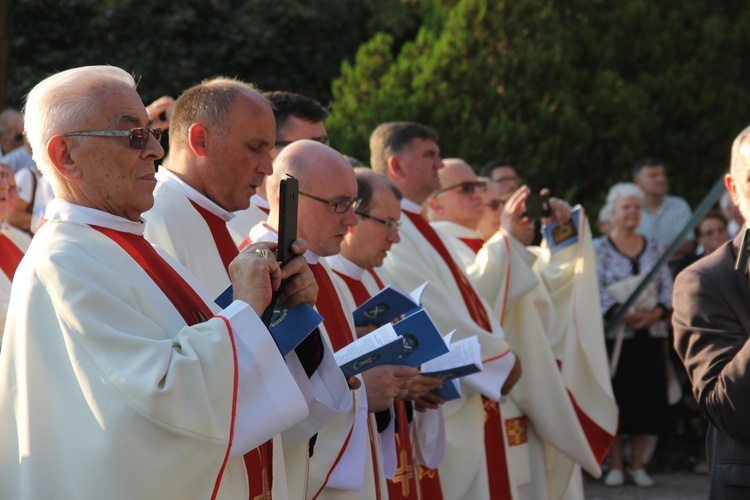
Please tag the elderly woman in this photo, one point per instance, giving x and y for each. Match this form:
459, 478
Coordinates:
13, 243
639, 382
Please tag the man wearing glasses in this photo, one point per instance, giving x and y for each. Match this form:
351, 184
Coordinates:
119, 377
500, 269
297, 117
345, 455
222, 134
362, 253
475, 460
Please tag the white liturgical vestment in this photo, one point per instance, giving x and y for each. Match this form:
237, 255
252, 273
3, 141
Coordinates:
244, 220
105, 392
463, 472
341, 466
501, 271
175, 225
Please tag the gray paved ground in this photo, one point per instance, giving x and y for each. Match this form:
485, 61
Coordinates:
669, 486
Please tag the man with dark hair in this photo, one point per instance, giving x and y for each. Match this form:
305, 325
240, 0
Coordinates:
475, 464
663, 216
297, 117
503, 177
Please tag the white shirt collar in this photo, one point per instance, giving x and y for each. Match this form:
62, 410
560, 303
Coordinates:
259, 202
170, 180
410, 206
263, 232
344, 266
63, 210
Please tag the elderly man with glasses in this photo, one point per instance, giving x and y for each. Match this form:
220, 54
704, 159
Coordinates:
119, 377
411, 441
346, 454
502, 273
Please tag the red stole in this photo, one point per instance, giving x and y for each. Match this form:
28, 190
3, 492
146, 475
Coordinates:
258, 462
475, 244
471, 299
190, 306
404, 485
339, 331
264, 209
497, 465
222, 239
10, 256
329, 306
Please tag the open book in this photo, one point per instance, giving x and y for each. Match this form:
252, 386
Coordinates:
387, 305
288, 327
464, 358
411, 342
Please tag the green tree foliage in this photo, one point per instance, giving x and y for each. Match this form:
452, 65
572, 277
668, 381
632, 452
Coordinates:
573, 91
278, 44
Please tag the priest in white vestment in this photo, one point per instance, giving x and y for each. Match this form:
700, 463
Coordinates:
345, 462
119, 377
408, 155
412, 442
211, 173
544, 460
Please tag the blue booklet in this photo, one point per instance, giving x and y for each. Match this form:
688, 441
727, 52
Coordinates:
562, 236
463, 359
288, 327
411, 342
387, 305
451, 390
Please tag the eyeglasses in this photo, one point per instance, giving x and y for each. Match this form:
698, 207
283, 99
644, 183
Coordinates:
340, 207
505, 180
475, 187
390, 225
495, 205
138, 136
322, 140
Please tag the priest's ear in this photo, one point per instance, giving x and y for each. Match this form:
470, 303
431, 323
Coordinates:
395, 167
198, 139
59, 152
435, 206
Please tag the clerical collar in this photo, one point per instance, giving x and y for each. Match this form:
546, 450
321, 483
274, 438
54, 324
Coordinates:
260, 202
63, 210
344, 266
411, 206
263, 232
170, 180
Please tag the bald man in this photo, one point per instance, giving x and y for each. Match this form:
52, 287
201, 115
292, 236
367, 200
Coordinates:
539, 402
346, 457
